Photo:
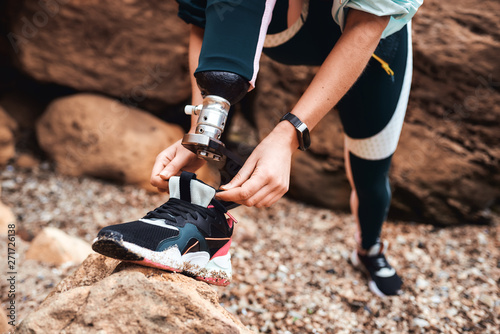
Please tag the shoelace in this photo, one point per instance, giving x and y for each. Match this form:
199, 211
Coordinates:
175, 208
379, 262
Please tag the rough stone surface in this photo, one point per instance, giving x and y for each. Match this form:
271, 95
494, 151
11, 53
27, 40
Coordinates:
446, 167
53, 246
148, 301
7, 142
133, 50
4, 323
92, 135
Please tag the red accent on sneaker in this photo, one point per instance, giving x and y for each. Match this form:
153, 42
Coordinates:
223, 250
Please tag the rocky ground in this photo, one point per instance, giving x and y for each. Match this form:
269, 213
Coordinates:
290, 261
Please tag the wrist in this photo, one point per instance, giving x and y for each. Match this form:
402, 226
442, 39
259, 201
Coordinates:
286, 133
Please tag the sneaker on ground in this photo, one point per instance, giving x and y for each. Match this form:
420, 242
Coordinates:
383, 278
189, 234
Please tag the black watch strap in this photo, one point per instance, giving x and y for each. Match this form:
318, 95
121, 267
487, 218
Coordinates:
302, 130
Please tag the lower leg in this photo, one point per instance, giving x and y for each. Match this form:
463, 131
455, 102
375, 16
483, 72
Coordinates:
370, 197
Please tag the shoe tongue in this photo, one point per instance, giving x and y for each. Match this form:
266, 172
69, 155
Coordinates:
187, 188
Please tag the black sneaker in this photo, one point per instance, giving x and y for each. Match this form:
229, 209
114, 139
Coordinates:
189, 234
384, 280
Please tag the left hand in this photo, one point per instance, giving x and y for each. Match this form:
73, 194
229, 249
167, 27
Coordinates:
265, 176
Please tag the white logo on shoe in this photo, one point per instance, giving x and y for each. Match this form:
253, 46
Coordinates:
386, 272
158, 222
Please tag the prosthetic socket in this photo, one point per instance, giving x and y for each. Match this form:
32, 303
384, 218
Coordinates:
220, 90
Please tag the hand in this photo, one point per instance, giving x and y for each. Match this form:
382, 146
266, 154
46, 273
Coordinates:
265, 176
171, 162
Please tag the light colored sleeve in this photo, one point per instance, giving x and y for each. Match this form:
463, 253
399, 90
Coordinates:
401, 11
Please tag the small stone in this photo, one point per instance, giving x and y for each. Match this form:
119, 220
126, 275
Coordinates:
53, 246
27, 161
420, 322
283, 269
422, 283
279, 315
487, 300
436, 299
295, 314
400, 240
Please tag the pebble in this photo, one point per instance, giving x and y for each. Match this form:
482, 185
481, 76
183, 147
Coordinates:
422, 283
295, 314
487, 300
436, 299
283, 269
420, 322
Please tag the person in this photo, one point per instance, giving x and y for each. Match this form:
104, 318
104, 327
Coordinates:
363, 48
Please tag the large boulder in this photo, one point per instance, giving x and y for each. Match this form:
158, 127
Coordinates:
103, 296
92, 135
133, 50
446, 169
8, 126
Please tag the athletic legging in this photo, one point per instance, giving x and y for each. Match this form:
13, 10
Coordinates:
373, 110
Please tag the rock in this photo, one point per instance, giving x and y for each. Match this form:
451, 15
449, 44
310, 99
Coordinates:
446, 166
4, 322
93, 135
7, 143
104, 297
420, 322
28, 161
6, 217
133, 50
53, 246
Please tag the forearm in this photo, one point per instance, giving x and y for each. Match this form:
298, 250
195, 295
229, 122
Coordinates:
195, 42
343, 66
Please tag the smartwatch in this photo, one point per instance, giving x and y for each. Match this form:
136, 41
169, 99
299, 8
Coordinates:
302, 130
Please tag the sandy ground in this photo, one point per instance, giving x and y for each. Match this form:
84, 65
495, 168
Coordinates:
292, 273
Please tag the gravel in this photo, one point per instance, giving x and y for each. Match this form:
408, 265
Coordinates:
290, 262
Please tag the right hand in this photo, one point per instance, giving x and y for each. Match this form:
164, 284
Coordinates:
171, 162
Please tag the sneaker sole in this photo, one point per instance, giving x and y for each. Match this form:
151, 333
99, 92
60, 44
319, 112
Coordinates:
371, 284
216, 271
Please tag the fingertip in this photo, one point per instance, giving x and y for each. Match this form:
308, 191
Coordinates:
226, 186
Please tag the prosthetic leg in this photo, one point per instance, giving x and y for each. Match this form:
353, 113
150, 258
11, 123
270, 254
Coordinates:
220, 90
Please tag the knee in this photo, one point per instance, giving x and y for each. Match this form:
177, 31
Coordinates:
228, 85
377, 193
